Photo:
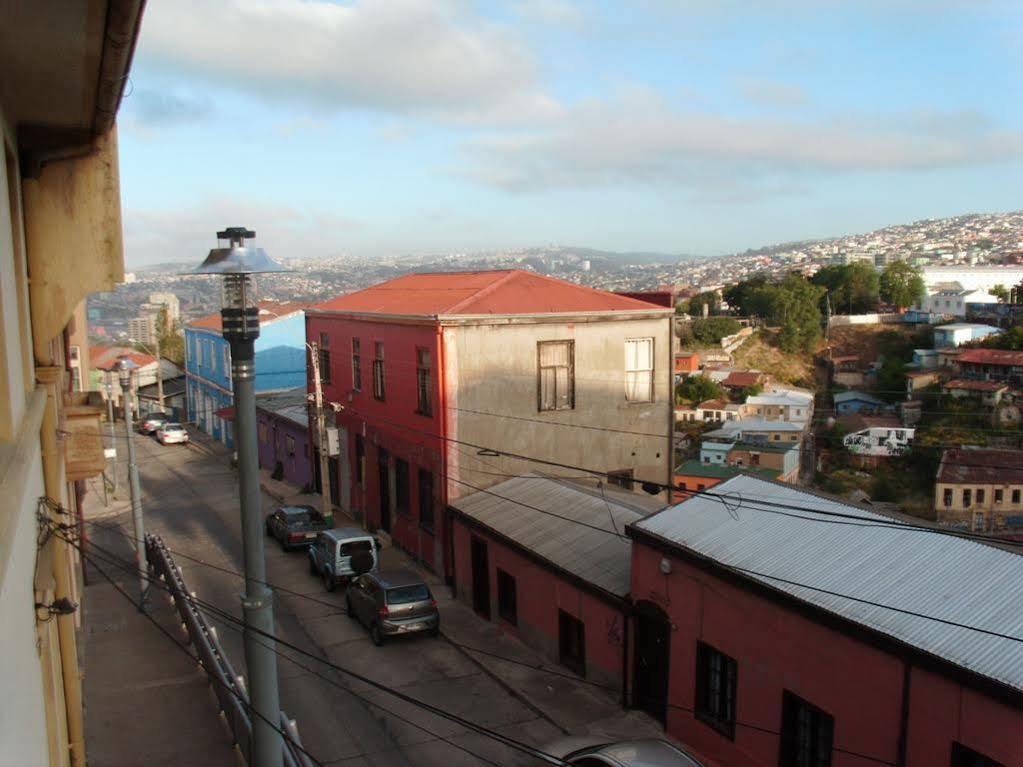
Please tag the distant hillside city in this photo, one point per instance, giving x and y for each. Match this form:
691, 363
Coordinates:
976, 239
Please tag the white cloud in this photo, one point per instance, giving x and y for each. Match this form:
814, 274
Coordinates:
637, 138
772, 93
393, 55
186, 234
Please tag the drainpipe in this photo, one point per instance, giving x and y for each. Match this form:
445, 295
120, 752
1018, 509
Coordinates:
907, 671
52, 481
447, 550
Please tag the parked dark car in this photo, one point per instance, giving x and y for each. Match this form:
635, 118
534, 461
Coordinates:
153, 421
295, 527
392, 602
330, 556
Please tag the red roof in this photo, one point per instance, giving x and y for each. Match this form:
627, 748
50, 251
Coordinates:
105, 357
268, 311
981, 466
743, 378
968, 385
492, 292
991, 357
712, 404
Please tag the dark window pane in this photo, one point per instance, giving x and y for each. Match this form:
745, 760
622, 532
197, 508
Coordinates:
401, 495
507, 604
405, 594
426, 499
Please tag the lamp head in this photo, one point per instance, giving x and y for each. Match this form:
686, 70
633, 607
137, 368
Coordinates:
124, 367
238, 258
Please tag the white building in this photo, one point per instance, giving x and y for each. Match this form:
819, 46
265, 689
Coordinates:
972, 278
170, 301
879, 437
952, 298
790, 406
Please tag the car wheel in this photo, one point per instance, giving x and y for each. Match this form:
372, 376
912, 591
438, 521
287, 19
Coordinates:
328, 581
350, 609
376, 635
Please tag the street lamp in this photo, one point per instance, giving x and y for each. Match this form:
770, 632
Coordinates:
240, 319
125, 368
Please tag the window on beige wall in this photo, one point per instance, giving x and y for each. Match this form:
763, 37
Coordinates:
555, 375
639, 369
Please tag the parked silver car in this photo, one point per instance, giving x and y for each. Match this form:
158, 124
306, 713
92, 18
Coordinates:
392, 602
330, 556
629, 753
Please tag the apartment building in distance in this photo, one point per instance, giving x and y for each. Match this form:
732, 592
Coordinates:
980, 489
65, 67
441, 379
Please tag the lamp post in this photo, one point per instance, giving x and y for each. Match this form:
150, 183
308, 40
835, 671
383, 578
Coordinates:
110, 423
237, 263
124, 371
327, 508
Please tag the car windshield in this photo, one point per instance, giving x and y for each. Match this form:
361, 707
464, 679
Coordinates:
173, 427
347, 549
298, 517
405, 594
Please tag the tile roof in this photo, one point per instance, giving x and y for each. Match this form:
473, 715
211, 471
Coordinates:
853, 396
943, 576
991, 357
743, 378
512, 291
981, 465
968, 384
713, 404
105, 357
598, 556
268, 312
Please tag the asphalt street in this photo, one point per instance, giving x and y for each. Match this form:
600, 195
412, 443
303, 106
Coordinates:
190, 498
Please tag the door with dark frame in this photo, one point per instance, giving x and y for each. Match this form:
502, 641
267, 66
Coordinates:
651, 660
480, 577
384, 481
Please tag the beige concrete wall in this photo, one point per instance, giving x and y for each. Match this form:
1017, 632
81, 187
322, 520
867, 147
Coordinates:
492, 368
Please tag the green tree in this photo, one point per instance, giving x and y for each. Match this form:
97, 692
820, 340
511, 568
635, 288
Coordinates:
901, 284
739, 296
709, 297
696, 389
711, 330
1000, 292
854, 288
172, 340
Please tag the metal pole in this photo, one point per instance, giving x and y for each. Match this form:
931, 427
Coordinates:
242, 327
321, 430
159, 373
110, 425
136, 496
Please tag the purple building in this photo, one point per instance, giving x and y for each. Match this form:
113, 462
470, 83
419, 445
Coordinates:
283, 427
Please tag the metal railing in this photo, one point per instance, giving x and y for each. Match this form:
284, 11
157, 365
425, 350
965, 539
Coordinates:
228, 686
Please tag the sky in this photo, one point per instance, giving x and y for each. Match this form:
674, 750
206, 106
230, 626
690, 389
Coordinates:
385, 127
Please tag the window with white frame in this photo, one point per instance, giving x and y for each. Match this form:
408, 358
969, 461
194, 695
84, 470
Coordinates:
639, 369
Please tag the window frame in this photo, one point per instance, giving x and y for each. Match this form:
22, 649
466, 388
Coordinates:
289, 445
323, 351
424, 380
425, 521
379, 378
570, 343
402, 496
788, 742
718, 715
356, 364
507, 601
651, 370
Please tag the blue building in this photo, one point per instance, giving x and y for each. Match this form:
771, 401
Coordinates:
847, 402
280, 364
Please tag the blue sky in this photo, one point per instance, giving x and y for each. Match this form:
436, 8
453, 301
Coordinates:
382, 127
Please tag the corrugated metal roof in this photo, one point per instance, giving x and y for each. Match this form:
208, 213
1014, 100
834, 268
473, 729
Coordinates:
550, 529
291, 404
936, 575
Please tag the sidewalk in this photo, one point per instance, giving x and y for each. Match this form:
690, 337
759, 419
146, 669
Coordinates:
568, 702
145, 701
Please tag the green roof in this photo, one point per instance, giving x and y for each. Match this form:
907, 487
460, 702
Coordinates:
694, 468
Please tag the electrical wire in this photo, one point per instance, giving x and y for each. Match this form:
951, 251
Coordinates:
271, 637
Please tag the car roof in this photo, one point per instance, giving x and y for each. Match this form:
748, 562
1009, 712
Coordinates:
397, 577
170, 425
647, 753
346, 533
297, 509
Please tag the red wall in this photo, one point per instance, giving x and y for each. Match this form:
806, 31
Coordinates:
392, 424
540, 594
778, 649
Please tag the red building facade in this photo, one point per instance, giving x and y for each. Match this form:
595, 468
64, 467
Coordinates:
751, 675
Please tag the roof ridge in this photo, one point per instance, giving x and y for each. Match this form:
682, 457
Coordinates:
484, 291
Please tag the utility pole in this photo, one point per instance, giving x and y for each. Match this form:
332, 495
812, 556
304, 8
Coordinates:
321, 431
124, 371
159, 372
240, 318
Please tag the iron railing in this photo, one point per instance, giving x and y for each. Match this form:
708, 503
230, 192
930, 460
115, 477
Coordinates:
228, 686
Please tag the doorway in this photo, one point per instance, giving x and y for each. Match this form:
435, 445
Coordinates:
480, 578
571, 643
651, 660
384, 481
